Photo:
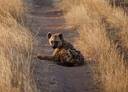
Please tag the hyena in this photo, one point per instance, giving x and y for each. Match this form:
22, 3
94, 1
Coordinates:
64, 53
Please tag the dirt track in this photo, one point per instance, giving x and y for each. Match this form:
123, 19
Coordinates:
49, 76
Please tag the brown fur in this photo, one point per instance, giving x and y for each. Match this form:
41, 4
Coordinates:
64, 52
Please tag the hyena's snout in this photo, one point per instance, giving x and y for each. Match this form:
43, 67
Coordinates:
54, 44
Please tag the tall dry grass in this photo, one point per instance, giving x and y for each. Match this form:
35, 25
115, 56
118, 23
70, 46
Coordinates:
102, 31
16, 47
15, 8
114, 18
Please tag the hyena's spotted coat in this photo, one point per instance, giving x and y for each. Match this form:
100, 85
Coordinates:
64, 52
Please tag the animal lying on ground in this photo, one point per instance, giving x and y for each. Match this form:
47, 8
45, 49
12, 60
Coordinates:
64, 53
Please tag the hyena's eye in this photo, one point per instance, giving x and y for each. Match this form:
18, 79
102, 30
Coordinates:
54, 42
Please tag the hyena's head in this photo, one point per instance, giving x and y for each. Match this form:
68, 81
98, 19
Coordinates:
55, 40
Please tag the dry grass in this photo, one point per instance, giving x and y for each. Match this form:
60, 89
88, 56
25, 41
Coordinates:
15, 8
102, 31
16, 47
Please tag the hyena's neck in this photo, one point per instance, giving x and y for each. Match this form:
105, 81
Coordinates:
66, 45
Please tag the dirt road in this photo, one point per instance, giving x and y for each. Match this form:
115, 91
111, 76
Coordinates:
49, 76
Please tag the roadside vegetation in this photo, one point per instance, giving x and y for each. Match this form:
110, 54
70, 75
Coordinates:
16, 47
103, 38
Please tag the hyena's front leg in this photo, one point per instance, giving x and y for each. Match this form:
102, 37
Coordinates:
50, 58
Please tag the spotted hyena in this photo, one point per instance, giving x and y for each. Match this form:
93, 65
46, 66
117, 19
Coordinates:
64, 53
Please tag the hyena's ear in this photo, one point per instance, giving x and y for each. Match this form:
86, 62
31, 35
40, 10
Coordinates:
61, 36
49, 35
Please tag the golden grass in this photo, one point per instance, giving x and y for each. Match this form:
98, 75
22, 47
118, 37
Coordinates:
102, 28
16, 48
98, 47
15, 8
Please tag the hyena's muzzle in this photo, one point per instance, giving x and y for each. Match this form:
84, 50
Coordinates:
55, 44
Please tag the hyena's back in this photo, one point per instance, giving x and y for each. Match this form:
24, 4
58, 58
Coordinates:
68, 55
